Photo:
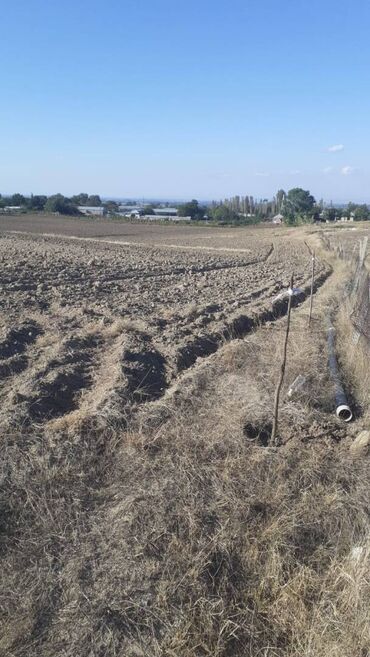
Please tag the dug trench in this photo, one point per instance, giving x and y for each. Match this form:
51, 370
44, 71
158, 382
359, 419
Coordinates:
242, 325
17, 340
52, 388
142, 373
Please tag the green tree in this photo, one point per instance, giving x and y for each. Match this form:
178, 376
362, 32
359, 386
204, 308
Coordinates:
59, 203
361, 213
330, 214
111, 206
191, 209
224, 213
36, 202
280, 198
300, 200
80, 199
298, 206
357, 211
17, 199
94, 201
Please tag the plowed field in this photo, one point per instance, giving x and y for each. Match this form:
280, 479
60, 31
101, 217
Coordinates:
97, 317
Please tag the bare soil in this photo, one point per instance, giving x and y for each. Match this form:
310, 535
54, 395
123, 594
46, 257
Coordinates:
60, 298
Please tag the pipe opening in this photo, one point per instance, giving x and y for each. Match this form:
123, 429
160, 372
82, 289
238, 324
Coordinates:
344, 413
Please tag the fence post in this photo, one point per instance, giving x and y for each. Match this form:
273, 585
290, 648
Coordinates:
274, 439
312, 285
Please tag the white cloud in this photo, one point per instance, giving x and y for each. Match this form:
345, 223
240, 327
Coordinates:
218, 175
346, 171
294, 172
328, 170
263, 174
335, 148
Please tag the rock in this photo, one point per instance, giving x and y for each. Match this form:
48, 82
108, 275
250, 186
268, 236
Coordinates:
361, 444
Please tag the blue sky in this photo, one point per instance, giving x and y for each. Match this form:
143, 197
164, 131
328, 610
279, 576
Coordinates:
185, 98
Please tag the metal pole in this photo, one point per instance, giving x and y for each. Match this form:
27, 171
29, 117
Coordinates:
312, 284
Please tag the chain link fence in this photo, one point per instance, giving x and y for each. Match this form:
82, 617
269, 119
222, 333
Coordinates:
360, 297
359, 293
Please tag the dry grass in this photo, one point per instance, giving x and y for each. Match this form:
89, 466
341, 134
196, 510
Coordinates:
182, 536
185, 542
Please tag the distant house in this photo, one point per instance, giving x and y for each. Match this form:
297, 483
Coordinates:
133, 212
278, 219
92, 211
166, 217
137, 212
153, 217
12, 208
169, 217
165, 212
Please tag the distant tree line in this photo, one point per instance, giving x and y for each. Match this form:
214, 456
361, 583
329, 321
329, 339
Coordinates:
293, 205
56, 203
355, 211
192, 210
296, 206
223, 212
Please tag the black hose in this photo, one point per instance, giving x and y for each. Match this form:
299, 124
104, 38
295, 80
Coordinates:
342, 408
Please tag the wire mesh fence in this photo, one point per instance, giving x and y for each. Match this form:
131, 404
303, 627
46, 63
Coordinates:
360, 297
359, 294
360, 313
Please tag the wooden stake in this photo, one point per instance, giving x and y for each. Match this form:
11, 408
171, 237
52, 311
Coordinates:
274, 439
312, 284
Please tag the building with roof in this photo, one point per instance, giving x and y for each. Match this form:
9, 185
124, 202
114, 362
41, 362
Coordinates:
133, 213
13, 208
165, 212
92, 211
129, 208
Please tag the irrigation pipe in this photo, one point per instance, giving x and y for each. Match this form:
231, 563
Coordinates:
342, 408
